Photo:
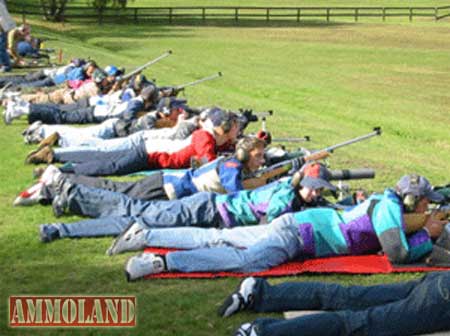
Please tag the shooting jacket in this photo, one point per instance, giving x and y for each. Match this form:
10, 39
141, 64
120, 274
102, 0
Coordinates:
220, 176
376, 224
202, 147
261, 205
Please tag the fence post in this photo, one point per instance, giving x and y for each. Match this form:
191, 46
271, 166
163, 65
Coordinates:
436, 13
170, 14
410, 14
23, 14
384, 14
328, 15
356, 14
135, 15
267, 14
204, 14
236, 14
298, 14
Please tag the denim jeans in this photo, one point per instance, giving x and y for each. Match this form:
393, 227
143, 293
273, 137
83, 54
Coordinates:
190, 238
414, 307
280, 243
4, 56
117, 210
44, 82
61, 114
76, 136
129, 143
104, 163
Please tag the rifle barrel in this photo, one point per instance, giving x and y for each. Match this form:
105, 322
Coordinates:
305, 138
377, 131
146, 65
198, 81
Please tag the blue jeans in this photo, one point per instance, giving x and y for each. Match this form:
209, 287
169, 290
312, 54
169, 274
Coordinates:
77, 136
18, 79
61, 114
4, 56
129, 143
414, 307
105, 163
117, 210
189, 238
279, 244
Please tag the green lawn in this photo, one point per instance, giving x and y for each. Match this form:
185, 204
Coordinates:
329, 81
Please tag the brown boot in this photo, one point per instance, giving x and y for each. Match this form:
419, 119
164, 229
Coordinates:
40, 155
51, 140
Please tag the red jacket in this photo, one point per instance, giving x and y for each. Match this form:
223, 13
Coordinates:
203, 145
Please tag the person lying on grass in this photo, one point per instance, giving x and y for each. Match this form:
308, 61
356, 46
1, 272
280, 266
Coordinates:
223, 175
116, 211
407, 308
375, 225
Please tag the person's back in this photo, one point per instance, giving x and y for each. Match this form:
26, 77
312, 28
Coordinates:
374, 225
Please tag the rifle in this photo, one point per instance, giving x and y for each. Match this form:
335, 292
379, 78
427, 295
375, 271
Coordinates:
352, 174
260, 177
246, 116
179, 88
416, 221
292, 140
143, 67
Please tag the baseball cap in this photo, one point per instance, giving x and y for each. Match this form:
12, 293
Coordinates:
219, 117
166, 104
112, 70
316, 176
418, 186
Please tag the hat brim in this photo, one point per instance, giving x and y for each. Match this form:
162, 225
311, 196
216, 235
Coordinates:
316, 183
435, 196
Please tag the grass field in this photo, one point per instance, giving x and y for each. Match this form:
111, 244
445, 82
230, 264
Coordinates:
329, 81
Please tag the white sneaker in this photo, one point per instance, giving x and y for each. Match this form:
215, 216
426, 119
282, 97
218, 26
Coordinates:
131, 239
239, 299
247, 329
15, 110
50, 177
144, 264
30, 196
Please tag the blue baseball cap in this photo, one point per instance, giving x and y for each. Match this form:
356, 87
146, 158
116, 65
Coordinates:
316, 176
112, 70
418, 186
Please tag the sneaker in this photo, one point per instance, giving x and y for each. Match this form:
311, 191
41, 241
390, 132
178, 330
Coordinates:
52, 176
15, 110
60, 202
144, 264
31, 134
40, 155
131, 239
30, 196
48, 232
247, 329
239, 299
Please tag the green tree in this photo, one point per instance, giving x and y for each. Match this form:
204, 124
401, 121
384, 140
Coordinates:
54, 9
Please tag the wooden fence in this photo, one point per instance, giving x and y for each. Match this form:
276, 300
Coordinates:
236, 14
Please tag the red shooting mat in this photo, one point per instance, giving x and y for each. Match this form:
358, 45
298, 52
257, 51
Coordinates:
366, 264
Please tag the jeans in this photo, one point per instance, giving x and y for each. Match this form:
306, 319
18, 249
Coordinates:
4, 56
61, 114
76, 136
129, 143
104, 163
116, 211
189, 238
44, 82
18, 79
280, 243
414, 307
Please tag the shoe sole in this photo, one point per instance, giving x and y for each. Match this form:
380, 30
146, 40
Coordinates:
118, 238
229, 300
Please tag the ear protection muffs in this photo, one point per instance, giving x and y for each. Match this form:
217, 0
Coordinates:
245, 146
296, 178
227, 123
409, 200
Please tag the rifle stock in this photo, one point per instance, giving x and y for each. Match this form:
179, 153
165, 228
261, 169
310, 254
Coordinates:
260, 177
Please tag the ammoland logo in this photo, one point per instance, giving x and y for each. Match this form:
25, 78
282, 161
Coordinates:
72, 311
